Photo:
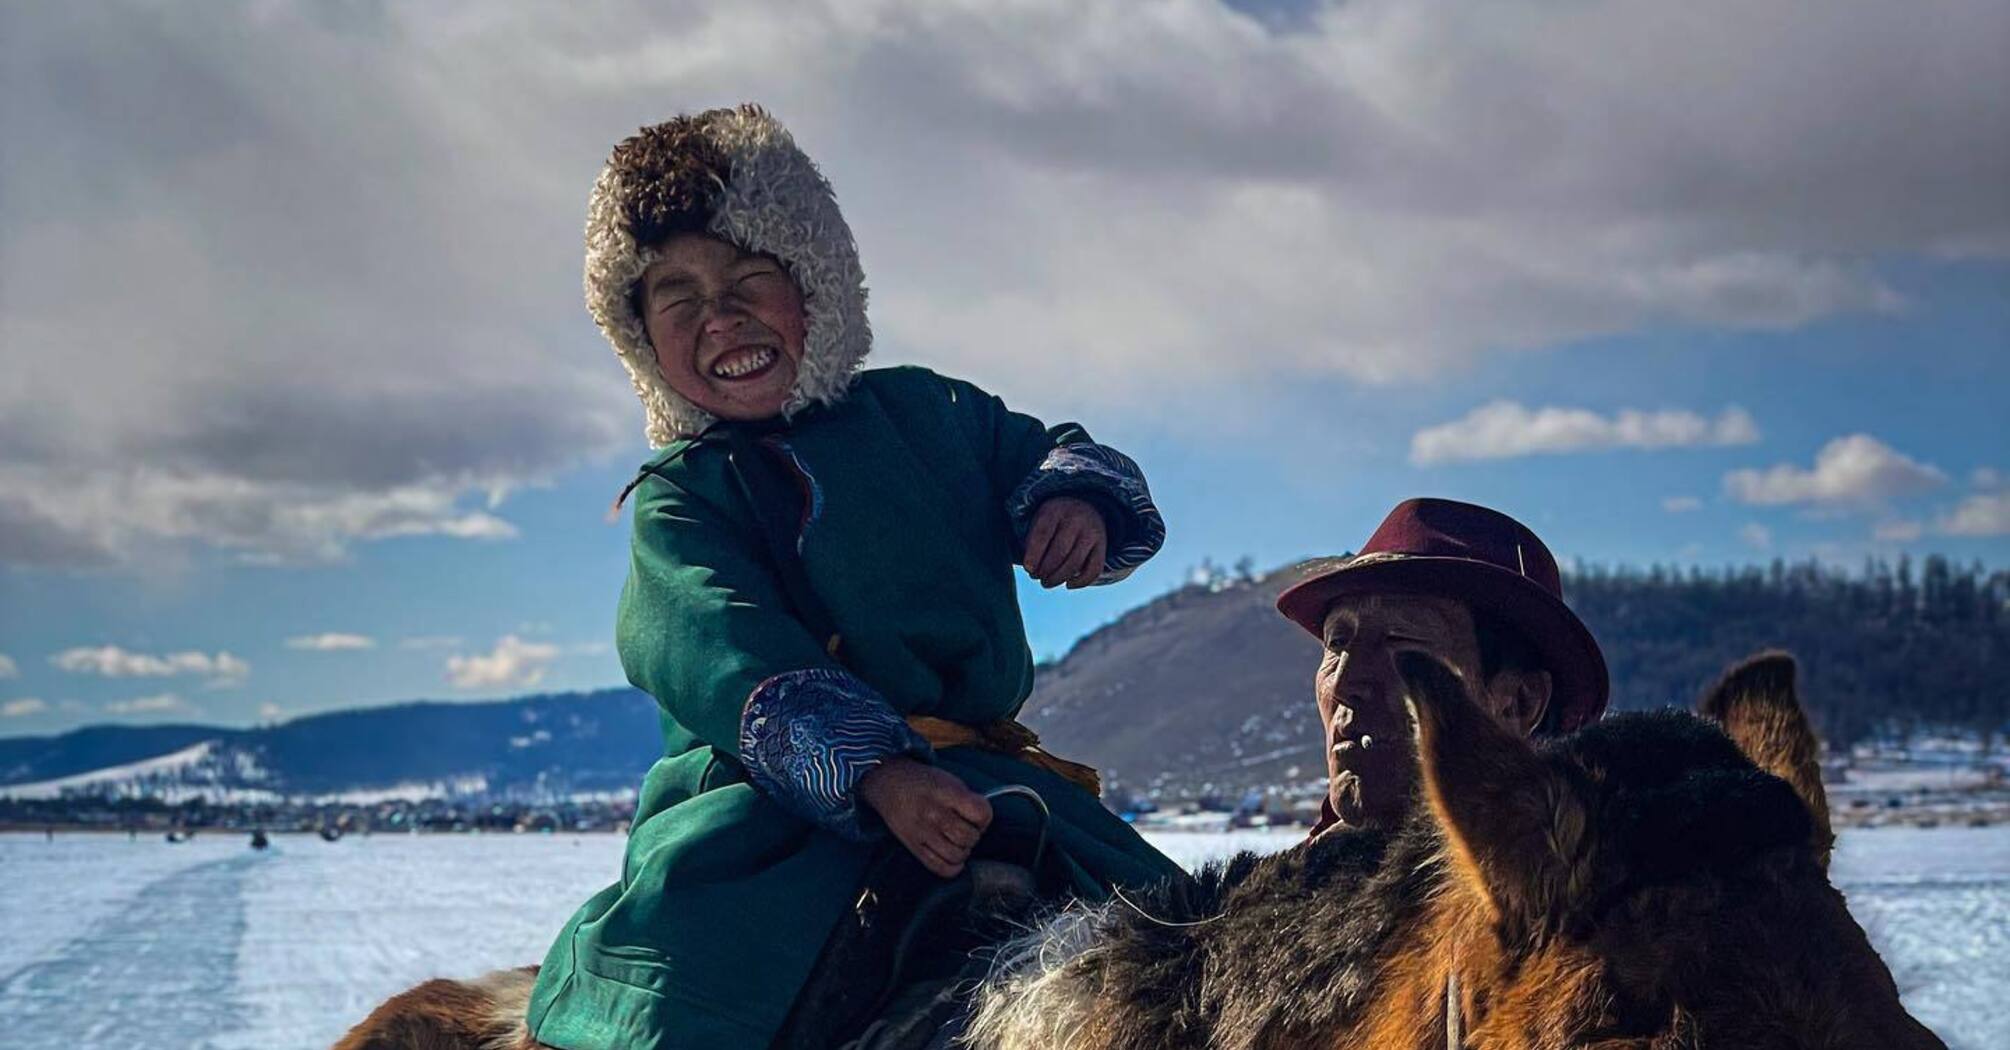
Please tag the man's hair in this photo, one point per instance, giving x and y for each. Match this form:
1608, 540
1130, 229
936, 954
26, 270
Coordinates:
1503, 647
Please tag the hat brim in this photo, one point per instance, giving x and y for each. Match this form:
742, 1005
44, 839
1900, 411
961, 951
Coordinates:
1579, 682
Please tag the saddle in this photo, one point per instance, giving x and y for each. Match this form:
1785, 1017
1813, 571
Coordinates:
896, 971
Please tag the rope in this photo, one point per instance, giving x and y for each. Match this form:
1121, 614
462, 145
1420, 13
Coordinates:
1167, 923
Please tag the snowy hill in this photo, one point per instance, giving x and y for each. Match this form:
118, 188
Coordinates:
191, 770
540, 745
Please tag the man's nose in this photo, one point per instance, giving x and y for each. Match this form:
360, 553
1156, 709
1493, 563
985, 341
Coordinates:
1365, 684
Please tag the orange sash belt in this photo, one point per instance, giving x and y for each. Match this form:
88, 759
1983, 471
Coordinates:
1006, 737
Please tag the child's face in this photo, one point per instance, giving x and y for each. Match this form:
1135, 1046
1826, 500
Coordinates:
727, 326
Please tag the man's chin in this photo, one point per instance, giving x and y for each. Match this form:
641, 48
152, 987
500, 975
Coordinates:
1357, 809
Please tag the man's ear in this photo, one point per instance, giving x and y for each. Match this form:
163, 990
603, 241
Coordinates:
1520, 698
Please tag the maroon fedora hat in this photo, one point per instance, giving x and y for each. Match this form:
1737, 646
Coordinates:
1485, 559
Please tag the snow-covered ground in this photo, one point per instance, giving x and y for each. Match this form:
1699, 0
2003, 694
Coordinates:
141, 944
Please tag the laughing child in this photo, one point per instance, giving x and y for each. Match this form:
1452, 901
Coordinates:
821, 597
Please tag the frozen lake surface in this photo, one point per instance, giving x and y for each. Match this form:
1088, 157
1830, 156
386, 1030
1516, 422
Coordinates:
138, 944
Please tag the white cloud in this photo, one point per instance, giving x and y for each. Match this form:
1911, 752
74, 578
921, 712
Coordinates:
1903, 530
1681, 504
113, 661
1982, 514
430, 641
512, 663
1987, 478
270, 712
331, 641
1505, 429
1756, 536
8, 669
1150, 200
264, 523
23, 707
1853, 471
163, 703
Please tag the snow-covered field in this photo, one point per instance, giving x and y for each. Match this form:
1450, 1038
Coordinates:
106, 942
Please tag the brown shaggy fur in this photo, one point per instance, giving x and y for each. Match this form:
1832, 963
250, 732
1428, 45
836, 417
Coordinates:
671, 175
1642, 883
1755, 703
1651, 882
483, 1014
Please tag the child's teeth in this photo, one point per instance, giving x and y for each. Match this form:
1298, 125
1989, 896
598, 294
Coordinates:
733, 368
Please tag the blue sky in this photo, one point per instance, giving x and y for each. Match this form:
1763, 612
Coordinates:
307, 414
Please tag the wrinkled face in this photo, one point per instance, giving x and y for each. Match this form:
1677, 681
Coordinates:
1370, 757
727, 326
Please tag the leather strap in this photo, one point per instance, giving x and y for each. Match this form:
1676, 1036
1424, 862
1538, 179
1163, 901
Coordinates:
1006, 737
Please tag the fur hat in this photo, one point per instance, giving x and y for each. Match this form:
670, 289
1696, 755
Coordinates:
735, 174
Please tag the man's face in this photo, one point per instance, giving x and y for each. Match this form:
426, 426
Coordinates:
727, 326
1370, 749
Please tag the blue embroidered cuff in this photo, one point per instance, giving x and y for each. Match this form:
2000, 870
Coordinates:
1110, 480
807, 737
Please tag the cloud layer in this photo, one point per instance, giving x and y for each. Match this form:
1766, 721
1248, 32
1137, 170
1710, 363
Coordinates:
159, 704
112, 661
1855, 471
1505, 429
21, 708
279, 279
1981, 514
513, 663
331, 641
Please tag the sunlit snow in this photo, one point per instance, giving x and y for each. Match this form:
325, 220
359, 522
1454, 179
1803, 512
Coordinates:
120, 943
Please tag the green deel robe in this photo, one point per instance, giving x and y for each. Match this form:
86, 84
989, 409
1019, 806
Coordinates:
725, 897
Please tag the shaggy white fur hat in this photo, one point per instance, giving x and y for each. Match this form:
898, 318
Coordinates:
753, 187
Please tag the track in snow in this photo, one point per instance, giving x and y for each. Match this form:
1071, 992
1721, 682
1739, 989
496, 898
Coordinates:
160, 971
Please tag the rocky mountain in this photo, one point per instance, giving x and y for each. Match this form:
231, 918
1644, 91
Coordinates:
1203, 691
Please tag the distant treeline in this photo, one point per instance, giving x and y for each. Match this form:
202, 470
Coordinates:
1892, 646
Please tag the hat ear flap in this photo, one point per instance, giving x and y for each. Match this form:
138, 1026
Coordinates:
1516, 830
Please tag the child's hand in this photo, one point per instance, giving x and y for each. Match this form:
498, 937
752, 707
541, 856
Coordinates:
928, 810
1067, 543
